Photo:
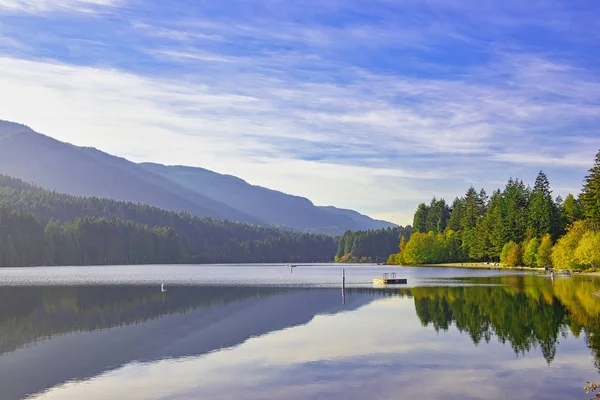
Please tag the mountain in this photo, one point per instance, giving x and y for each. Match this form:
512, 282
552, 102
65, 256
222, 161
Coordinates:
271, 206
83, 171
39, 159
365, 222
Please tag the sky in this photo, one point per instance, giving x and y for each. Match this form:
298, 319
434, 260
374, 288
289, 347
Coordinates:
373, 105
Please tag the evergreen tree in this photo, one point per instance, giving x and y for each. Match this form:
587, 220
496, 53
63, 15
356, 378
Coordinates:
372, 245
590, 195
473, 211
456, 215
542, 211
420, 219
516, 202
495, 215
438, 214
10, 256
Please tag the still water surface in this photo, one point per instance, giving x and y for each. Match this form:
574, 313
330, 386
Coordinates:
258, 332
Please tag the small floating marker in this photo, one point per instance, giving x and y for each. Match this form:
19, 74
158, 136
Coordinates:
162, 287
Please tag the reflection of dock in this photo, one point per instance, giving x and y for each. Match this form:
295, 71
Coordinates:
389, 279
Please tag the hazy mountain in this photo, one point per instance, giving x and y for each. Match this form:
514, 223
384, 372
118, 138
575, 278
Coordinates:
39, 159
268, 205
52, 164
365, 222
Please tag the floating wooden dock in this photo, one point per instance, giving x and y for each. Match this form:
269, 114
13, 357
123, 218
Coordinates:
389, 279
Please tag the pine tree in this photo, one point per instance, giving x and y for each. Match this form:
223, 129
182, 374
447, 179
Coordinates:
456, 214
542, 212
516, 201
433, 215
420, 219
473, 211
590, 195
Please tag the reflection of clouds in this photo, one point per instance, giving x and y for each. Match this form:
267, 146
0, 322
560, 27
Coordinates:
379, 351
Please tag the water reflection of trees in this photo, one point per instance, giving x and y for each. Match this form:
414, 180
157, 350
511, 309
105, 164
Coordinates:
28, 314
526, 312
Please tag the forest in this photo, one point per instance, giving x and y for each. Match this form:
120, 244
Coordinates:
42, 227
516, 226
370, 245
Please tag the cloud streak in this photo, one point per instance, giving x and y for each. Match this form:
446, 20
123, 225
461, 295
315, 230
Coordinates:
46, 6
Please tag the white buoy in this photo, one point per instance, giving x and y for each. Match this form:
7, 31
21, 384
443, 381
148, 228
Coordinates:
162, 287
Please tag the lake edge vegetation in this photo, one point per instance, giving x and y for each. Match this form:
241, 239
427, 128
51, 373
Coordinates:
518, 226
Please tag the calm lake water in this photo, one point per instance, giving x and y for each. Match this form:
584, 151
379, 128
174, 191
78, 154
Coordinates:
262, 332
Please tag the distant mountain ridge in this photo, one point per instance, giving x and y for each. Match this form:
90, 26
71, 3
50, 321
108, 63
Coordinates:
86, 171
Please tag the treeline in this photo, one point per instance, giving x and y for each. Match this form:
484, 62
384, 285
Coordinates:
519, 225
85, 241
370, 245
41, 227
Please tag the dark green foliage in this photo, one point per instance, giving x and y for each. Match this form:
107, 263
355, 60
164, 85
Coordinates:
543, 213
101, 231
371, 245
438, 216
590, 195
432, 218
458, 207
420, 219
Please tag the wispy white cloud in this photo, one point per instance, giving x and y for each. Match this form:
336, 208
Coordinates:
174, 34
42, 6
541, 160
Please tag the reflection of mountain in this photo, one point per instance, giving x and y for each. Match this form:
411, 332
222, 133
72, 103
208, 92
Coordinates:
528, 312
28, 314
96, 329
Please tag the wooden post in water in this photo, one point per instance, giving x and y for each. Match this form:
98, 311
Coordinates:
343, 286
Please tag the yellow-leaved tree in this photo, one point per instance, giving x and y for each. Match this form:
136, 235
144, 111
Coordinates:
588, 251
563, 253
544, 252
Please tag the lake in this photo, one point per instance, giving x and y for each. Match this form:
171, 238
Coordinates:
256, 332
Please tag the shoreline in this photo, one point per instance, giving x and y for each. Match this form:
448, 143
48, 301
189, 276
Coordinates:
498, 267
476, 266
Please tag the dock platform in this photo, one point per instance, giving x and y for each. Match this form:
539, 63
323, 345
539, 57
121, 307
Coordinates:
389, 279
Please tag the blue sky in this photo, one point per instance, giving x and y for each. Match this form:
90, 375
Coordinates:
372, 105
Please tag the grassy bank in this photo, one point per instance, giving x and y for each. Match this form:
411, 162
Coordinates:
478, 265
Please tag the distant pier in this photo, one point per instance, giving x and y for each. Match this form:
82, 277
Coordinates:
389, 279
